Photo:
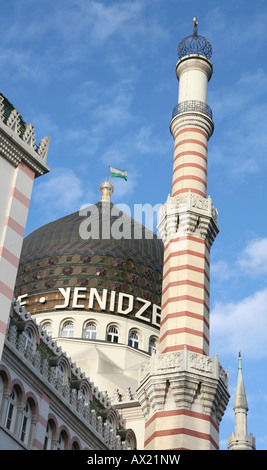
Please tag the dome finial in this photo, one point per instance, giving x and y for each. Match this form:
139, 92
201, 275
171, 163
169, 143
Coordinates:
106, 190
195, 44
195, 26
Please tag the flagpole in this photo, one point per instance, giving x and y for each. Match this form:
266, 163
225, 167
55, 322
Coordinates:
108, 172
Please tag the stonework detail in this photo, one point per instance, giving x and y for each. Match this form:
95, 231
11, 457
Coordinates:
185, 360
22, 147
188, 214
186, 374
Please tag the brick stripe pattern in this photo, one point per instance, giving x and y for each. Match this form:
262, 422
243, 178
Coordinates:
11, 238
185, 296
190, 162
185, 429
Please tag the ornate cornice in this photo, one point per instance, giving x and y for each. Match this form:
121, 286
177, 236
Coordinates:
184, 372
17, 144
188, 214
191, 118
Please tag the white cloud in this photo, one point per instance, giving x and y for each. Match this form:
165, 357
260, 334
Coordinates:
149, 142
253, 259
58, 193
241, 325
220, 270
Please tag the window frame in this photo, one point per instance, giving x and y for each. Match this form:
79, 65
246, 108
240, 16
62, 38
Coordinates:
65, 328
111, 335
92, 335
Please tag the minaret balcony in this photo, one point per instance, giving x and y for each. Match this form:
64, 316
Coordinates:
192, 106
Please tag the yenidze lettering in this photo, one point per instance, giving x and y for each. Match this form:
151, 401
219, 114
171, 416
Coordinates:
112, 301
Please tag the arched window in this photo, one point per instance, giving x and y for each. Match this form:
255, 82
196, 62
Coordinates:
84, 394
90, 331
133, 340
29, 338
75, 446
61, 371
152, 347
26, 423
113, 334
47, 327
48, 437
62, 441
11, 410
112, 419
67, 330
130, 440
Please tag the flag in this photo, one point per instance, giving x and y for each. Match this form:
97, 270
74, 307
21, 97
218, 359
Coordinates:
118, 173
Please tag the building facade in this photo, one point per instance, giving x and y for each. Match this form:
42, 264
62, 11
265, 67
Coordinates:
46, 402
98, 296
129, 310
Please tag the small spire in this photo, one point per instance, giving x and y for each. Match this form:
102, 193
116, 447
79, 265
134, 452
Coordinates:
239, 360
240, 395
195, 26
106, 190
239, 439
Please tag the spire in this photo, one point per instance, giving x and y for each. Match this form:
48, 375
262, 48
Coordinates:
195, 26
240, 440
240, 394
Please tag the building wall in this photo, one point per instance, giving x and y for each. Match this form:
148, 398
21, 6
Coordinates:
32, 368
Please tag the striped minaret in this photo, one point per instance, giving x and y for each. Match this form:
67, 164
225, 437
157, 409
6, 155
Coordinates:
183, 391
189, 229
20, 162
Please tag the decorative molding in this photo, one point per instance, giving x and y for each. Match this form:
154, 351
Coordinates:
17, 151
192, 119
29, 136
184, 372
18, 143
188, 214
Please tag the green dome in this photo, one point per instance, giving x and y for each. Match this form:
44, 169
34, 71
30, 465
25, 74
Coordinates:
63, 236
60, 255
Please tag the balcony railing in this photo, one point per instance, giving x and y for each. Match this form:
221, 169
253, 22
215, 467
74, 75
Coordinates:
192, 106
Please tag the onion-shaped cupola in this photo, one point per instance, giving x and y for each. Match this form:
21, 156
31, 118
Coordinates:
195, 44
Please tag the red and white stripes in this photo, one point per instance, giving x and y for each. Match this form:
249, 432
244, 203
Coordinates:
190, 162
185, 296
185, 429
11, 237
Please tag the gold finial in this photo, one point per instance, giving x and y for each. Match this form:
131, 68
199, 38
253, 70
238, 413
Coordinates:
195, 25
106, 190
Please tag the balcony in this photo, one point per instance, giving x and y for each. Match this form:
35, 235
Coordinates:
192, 106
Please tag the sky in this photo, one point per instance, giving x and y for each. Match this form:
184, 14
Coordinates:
99, 78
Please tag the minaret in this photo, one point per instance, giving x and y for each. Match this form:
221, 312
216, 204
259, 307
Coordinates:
240, 440
183, 391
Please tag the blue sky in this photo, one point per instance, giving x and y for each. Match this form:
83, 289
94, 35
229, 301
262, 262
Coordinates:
99, 78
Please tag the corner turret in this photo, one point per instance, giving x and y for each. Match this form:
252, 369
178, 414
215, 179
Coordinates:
240, 440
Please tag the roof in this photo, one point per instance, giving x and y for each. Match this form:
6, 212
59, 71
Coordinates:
7, 110
114, 233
